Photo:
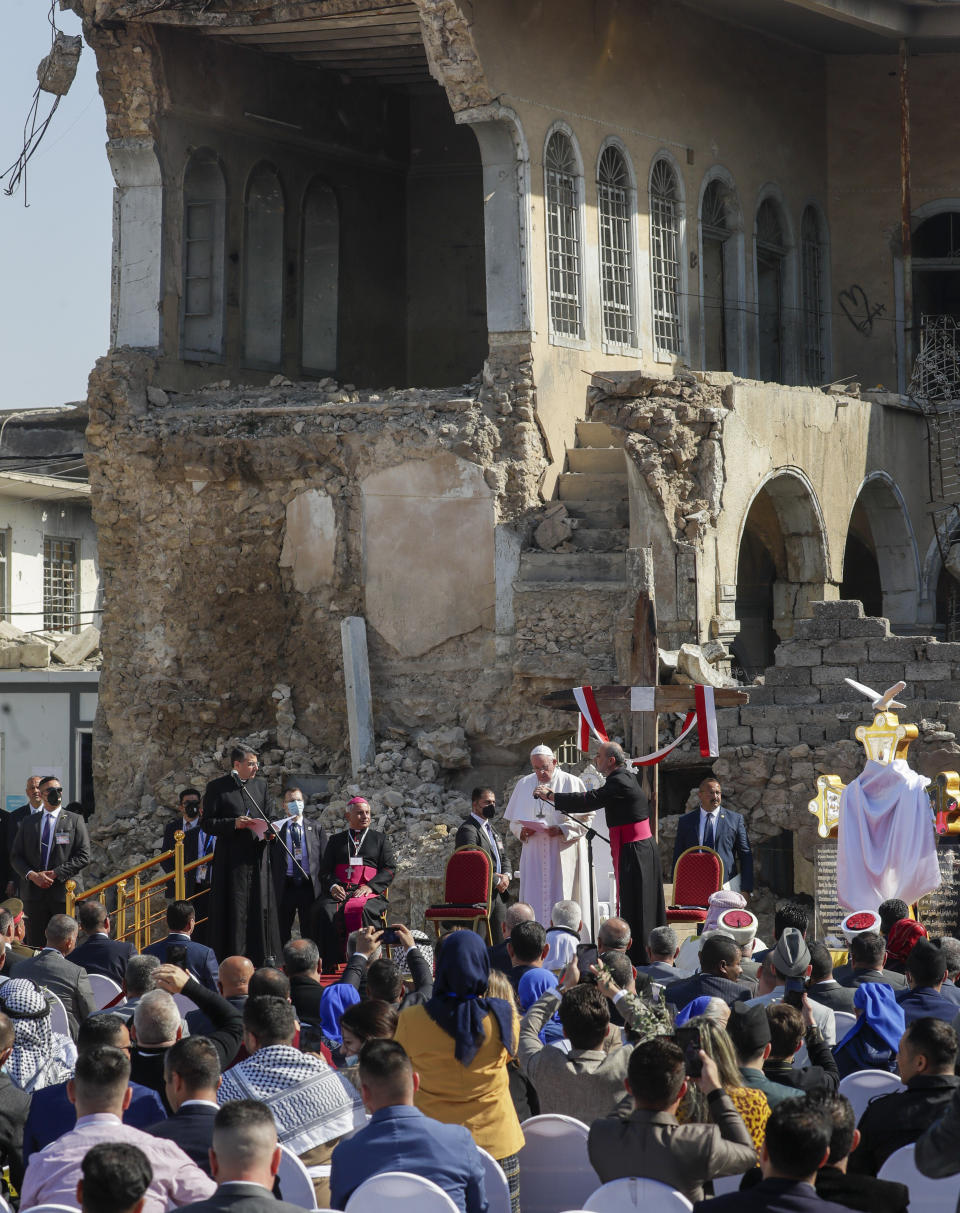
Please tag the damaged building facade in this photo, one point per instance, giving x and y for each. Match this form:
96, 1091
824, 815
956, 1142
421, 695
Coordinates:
670, 261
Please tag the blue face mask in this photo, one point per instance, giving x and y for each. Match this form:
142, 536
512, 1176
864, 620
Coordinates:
294, 808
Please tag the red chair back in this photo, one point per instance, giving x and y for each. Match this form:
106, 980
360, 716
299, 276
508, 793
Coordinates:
467, 878
699, 872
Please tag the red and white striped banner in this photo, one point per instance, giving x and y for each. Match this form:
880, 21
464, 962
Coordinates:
649, 760
590, 719
707, 722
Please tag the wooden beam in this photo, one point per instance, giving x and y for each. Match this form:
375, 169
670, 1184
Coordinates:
666, 699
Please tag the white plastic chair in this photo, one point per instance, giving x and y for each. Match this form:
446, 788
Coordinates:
629, 1195
51, 1208
495, 1184
58, 1015
296, 1186
105, 990
844, 1021
399, 1192
926, 1195
555, 1170
861, 1086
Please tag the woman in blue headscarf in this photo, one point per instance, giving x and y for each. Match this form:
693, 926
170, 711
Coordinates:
334, 1002
460, 1043
873, 1041
533, 984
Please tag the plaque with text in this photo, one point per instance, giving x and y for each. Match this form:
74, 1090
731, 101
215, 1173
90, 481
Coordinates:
830, 913
939, 909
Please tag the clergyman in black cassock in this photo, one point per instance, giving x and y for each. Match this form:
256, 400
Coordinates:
242, 908
636, 858
357, 868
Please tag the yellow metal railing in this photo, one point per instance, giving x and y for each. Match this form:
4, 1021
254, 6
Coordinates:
133, 917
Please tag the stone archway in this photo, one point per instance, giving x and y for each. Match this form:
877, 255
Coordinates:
880, 563
781, 566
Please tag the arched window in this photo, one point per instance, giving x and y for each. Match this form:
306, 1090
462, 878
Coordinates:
615, 207
204, 225
812, 269
665, 257
771, 259
320, 279
263, 270
564, 253
720, 254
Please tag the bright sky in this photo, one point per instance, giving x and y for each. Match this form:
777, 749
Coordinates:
55, 254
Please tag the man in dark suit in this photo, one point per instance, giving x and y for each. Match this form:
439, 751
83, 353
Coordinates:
199, 960
712, 825
99, 953
296, 869
719, 976
796, 1146
233, 981
196, 843
822, 988
9, 825
50, 848
357, 869
663, 948
476, 831
520, 911
51, 968
926, 1061
301, 963
244, 1160
191, 1074
243, 908
867, 951
926, 970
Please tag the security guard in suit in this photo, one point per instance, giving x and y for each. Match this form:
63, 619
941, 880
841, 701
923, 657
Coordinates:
476, 831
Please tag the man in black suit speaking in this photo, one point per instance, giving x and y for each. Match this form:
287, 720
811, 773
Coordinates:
50, 848
476, 831
242, 907
711, 824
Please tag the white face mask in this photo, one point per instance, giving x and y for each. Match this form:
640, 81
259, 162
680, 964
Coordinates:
294, 807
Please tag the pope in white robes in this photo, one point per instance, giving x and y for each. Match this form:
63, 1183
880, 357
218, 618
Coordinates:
553, 862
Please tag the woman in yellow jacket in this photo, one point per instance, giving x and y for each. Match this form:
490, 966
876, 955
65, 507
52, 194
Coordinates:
460, 1042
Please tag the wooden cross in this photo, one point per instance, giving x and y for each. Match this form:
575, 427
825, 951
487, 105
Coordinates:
664, 699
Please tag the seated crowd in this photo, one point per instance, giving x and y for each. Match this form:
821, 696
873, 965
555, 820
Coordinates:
714, 1068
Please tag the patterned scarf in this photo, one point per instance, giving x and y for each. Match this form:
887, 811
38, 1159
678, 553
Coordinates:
311, 1103
40, 1057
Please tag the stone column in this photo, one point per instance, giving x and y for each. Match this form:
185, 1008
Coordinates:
356, 677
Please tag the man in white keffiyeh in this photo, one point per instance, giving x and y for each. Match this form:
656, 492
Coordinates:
313, 1105
40, 1057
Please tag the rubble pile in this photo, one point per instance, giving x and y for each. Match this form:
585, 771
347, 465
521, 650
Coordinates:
38, 650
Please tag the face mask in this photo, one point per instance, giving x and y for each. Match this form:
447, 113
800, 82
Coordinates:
54, 797
351, 1059
191, 808
294, 807
489, 810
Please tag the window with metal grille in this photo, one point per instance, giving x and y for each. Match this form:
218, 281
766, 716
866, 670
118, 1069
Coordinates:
564, 257
665, 257
771, 257
263, 270
61, 584
616, 254
811, 285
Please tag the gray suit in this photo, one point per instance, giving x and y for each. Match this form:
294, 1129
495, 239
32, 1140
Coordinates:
68, 981
587, 1080
662, 973
654, 1145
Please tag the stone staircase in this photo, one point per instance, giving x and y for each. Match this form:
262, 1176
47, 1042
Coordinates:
566, 599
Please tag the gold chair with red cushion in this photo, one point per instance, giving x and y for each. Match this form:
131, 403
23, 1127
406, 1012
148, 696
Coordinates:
467, 891
697, 873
